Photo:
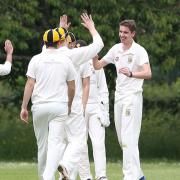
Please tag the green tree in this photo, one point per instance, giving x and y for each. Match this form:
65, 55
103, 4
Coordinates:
24, 22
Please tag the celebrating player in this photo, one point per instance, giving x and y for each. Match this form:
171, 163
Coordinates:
76, 126
51, 87
97, 118
132, 65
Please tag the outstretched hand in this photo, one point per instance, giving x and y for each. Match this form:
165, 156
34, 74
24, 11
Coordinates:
87, 21
63, 21
8, 47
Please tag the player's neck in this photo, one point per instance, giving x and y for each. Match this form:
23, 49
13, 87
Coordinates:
127, 45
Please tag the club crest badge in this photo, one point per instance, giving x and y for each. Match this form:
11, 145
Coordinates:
116, 58
130, 59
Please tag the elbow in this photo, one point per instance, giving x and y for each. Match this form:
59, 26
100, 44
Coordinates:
6, 71
101, 45
98, 40
30, 84
149, 75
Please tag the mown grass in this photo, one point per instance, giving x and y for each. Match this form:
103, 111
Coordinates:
154, 170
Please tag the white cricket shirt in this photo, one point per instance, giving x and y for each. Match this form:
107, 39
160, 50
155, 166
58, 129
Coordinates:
133, 58
80, 56
98, 86
51, 70
84, 71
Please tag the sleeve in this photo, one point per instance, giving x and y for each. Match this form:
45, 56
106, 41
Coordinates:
71, 74
86, 70
83, 54
103, 92
43, 48
109, 57
5, 68
31, 68
143, 57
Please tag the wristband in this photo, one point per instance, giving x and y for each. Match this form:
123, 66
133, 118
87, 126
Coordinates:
131, 75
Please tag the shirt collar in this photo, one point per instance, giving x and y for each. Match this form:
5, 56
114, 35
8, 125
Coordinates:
131, 50
63, 48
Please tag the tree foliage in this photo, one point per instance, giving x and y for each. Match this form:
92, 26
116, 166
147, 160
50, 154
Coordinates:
24, 22
158, 27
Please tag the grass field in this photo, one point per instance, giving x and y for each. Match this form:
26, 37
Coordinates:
154, 170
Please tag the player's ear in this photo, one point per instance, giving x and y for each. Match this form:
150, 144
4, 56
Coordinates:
133, 34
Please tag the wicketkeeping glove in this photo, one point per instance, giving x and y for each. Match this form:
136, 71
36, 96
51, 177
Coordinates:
104, 114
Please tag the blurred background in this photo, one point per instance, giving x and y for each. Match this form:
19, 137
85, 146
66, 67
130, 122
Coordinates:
158, 30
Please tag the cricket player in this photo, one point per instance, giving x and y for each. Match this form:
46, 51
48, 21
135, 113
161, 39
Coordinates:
82, 82
132, 66
97, 118
71, 40
51, 87
76, 119
6, 67
75, 125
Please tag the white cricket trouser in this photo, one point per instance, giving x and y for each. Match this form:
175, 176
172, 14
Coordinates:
128, 117
97, 136
76, 135
49, 122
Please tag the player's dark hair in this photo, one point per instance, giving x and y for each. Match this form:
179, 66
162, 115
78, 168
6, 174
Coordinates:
130, 23
81, 43
49, 44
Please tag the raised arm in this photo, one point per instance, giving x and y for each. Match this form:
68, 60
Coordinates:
9, 50
6, 67
63, 21
89, 23
83, 54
